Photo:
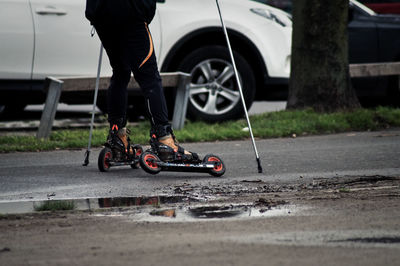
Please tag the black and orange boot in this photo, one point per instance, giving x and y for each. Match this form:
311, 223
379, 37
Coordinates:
118, 150
119, 141
164, 143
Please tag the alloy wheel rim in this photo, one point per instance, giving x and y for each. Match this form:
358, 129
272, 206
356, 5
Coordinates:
213, 89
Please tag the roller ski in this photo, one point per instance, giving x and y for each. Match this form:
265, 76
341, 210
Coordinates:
118, 151
166, 155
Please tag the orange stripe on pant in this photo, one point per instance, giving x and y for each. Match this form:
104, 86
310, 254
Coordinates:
151, 47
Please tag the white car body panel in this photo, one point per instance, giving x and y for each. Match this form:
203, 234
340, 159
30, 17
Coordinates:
272, 40
67, 39
63, 45
16, 39
59, 43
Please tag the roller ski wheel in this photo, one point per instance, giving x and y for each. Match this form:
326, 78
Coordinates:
219, 166
138, 150
149, 163
109, 158
104, 160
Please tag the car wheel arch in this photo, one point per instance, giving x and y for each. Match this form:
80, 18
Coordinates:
214, 36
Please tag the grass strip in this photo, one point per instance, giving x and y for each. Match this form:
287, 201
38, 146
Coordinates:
267, 125
55, 205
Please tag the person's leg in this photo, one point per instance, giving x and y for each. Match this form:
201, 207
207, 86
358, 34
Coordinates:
114, 42
117, 97
147, 75
145, 70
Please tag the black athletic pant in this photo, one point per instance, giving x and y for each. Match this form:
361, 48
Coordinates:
130, 49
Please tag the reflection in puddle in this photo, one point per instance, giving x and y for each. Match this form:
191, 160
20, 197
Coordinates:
217, 211
18, 207
204, 213
183, 208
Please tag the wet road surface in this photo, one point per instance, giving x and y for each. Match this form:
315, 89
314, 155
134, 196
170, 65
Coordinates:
60, 174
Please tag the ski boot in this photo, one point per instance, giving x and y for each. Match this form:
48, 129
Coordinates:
166, 155
118, 151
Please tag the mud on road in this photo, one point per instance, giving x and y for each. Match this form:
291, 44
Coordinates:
351, 220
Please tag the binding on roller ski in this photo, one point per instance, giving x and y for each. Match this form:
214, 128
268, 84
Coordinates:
118, 150
162, 157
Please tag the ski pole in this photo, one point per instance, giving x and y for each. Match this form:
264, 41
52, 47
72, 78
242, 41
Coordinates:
240, 88
87, 153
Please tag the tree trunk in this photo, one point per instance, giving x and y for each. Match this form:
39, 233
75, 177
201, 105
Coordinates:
320, 76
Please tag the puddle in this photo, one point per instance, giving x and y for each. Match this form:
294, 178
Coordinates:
238, 211
203, 213
157, 208
217, 211
19, 207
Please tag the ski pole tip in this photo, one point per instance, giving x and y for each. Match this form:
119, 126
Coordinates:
259, 166
86, 161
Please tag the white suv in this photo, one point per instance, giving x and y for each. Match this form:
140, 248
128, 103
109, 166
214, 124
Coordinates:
40, 38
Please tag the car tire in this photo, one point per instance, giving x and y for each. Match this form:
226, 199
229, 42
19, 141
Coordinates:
214, 95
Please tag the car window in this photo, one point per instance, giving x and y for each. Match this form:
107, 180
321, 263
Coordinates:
363, 8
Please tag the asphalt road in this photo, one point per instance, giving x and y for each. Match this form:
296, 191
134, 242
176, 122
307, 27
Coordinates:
34, 176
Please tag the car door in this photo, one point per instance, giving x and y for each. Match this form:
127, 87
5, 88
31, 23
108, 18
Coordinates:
363, 47
16, 40
63, 45
363, 38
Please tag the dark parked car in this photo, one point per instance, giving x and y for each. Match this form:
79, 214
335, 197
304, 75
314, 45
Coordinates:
379, 6
383, 6
373, 38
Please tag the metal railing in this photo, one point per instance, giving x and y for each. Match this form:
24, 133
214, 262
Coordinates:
374, 69
55, 86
